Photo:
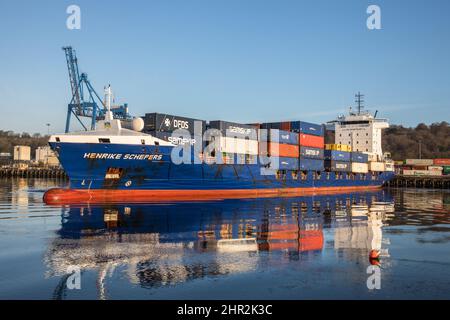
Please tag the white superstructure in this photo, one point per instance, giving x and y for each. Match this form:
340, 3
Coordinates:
362, 131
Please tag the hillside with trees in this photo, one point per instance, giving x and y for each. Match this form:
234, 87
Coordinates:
9, 139
404, 143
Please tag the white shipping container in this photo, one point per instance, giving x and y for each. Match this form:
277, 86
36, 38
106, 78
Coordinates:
389, 166
422, 173
22, 153
371, 156
236, 145
437, 168
419, 162
360, 167
376, 166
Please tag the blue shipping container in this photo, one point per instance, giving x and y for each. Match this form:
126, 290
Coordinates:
311, 153
281, 136
283, 163
307, 128
359, 157
337, 155
311, 164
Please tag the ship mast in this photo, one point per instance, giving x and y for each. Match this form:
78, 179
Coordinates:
359, 99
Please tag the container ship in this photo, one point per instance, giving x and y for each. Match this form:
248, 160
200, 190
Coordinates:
163, 157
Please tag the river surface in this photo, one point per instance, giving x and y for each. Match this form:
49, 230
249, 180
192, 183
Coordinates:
284, 248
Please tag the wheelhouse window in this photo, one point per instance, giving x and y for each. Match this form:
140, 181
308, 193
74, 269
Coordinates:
104, 140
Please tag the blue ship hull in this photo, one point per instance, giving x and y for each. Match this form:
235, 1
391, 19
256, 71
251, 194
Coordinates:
144, 167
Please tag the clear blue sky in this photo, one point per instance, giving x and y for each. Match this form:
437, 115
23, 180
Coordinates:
239, 60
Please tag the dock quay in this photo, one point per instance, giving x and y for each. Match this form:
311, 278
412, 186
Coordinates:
408, 181
33, 172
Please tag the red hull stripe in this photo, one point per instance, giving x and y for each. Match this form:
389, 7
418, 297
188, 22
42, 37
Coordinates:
60, 196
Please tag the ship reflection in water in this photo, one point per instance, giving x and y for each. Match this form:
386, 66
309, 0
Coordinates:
286, 248
159, 245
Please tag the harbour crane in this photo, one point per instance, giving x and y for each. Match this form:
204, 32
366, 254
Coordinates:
92, 106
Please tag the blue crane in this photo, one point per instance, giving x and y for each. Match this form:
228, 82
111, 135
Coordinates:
93, 107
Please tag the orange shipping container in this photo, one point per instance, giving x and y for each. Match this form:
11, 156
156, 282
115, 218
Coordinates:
308, 140
442, 162
282, 150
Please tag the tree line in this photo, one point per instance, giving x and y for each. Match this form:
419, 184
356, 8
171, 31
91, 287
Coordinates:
9, 139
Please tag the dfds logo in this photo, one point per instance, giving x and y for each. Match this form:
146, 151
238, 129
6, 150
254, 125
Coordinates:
180, 124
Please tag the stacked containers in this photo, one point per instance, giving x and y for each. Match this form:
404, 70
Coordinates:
338, 161
237, 140
311, 142
282, 147
445, 163
162, 126
359, 162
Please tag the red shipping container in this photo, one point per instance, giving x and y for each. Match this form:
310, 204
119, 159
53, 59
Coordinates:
308, 140
282, 150
442, 162
286, 126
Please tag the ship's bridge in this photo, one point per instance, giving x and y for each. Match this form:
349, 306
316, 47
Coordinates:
361, 130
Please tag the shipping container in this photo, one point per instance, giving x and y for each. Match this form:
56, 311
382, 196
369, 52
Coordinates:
307, 128
308, 140
338, 166
279, 136
279, 150
446, 170
312, 153
441, 162
359, 157
177, 139
337, 155
286, 126
437, 168
232, 129
168, 123
256, 125
22, 153
338, 147
235, 145
283, 163
376, 166
307, 164
358, 167
373, 157
419, 162
389, 166
421, 173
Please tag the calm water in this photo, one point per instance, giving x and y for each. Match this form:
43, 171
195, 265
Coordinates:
289, 248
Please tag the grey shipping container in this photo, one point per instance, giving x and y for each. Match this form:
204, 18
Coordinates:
311, 153
339, 166
177, 139
237, 130
169, 123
